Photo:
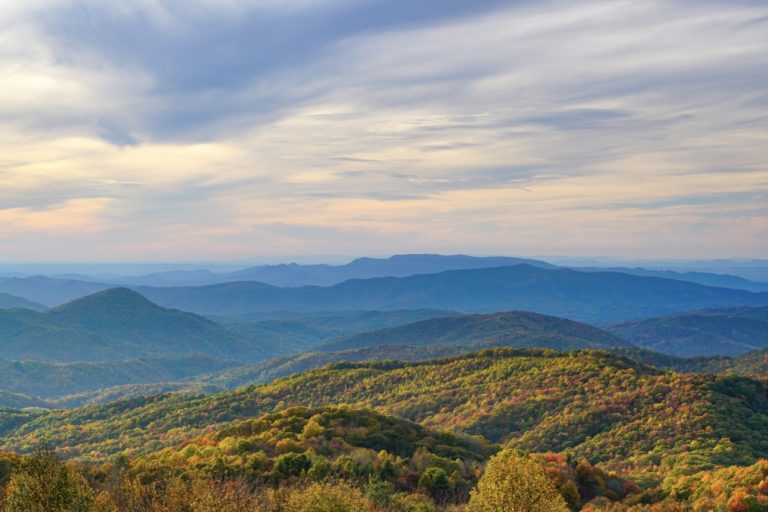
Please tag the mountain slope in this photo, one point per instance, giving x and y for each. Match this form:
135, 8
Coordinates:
112, 325
8, 301
703, 278
586, 296
517, 329
51, 380
295, 332
588, 404
726, 332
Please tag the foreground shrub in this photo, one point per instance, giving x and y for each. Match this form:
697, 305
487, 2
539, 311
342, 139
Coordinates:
514, 483
327, 497
42, 483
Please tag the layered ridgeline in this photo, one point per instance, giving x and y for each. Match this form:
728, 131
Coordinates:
726, 332
116, 324
293, 274
415, 341
587, 404
327, 275
517, 329
145, 377
586, 296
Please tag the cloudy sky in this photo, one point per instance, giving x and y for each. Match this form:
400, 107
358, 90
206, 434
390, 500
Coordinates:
225, 129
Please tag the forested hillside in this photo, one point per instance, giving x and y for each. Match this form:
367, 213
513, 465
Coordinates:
587, 404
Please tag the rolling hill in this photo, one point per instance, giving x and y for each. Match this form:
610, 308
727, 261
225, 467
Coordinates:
516, 329
51, 380
586, 404
288, 332
116, 324
8, 301
727, 332
586, 296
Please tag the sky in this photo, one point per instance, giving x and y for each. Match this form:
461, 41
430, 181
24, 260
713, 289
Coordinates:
179, 130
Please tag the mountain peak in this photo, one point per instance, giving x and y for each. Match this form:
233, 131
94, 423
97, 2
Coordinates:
114, 299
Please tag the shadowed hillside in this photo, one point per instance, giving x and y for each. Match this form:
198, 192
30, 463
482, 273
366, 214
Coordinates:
726, 332
516, 329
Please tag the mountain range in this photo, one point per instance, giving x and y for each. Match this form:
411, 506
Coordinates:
293, 274
60, 288
597, 297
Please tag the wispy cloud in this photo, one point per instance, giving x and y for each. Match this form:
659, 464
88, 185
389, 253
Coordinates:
229, 128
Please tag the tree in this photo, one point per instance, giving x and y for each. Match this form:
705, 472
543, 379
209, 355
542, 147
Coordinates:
327, 497
514, 483
42, 483
292, 464
436, 482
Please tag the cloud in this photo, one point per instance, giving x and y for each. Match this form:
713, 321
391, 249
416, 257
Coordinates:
494, 126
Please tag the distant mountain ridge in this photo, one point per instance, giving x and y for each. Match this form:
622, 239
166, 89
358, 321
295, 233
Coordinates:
50, 291
703, 278
116, 324
60, 288
711, 332
293, 274
585, 296
515, 329
8, 301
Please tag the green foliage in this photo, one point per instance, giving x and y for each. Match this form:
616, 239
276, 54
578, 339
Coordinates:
324, 497
332, 442
292, 464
